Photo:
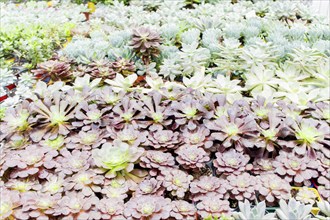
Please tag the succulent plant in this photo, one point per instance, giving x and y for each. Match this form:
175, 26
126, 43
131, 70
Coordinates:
273, 188
151, 187
176, 181
119, 157
156, 161
86, 182
231, 161
9, 201
258, 212
213, 208
74, 161
100, 69
111, 208
293, 210
123, 66
192, 157
163, 139
146, 42
207, 186
263, 166
294, 168
53, 70
151, 207
182, 210
306, 196
242, 186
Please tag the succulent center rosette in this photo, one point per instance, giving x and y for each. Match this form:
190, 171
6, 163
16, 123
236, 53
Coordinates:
119, 157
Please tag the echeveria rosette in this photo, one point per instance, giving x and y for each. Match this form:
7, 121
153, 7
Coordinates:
116, 188
306, 196
207, 186
30, 161
182, 209
234, 130
150, 186
148, 207
192, 157
242, 186
77, 206
74, 161
231, 162
128, 111
23, 185
123, 66
213, 208
111, 208
86, 182
156, 111
100, 69
188, 112
129, 134
53, 115
311, 135
273, 188
163, 140
53, 70
9, 201
200, 137
295, 168
175, 181
156, 161
262, 166
16, 120
53, 185
86, 140
39, 205
89, 115
117, 157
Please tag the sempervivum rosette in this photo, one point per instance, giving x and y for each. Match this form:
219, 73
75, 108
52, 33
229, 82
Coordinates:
231, 162
273, 188
147, 207
242, 186
119, 157
207, 186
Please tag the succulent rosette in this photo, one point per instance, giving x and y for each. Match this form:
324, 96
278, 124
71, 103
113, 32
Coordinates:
150, 186
74, 161
148, 207
163, 139
86, 140
116, 157
182, 210
295, 168
207, 186
157, 161
192, 157
273, 188
242, 186
86, 182
231, 161
9, 201
213, 207
53, 70
233, 130
176, 181
197, 137
262, 166
306, 196
129, 134
111, 208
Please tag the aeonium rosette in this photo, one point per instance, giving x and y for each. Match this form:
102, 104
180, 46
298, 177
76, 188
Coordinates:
117, 158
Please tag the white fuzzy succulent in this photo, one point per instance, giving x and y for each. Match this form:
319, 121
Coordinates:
293, 210
170, 68
26, 79
199, 81
81, 82
190, 36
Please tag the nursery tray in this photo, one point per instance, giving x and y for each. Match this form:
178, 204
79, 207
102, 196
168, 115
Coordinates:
315, 210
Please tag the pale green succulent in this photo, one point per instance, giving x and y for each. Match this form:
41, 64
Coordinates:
293, 210
117, 157
258, 212
121, 83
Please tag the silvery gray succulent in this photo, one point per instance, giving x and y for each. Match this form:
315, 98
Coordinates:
258, 212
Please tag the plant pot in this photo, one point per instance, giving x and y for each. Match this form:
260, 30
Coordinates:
4, 97
315, 210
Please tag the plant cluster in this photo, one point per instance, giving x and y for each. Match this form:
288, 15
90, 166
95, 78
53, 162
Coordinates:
163, 110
